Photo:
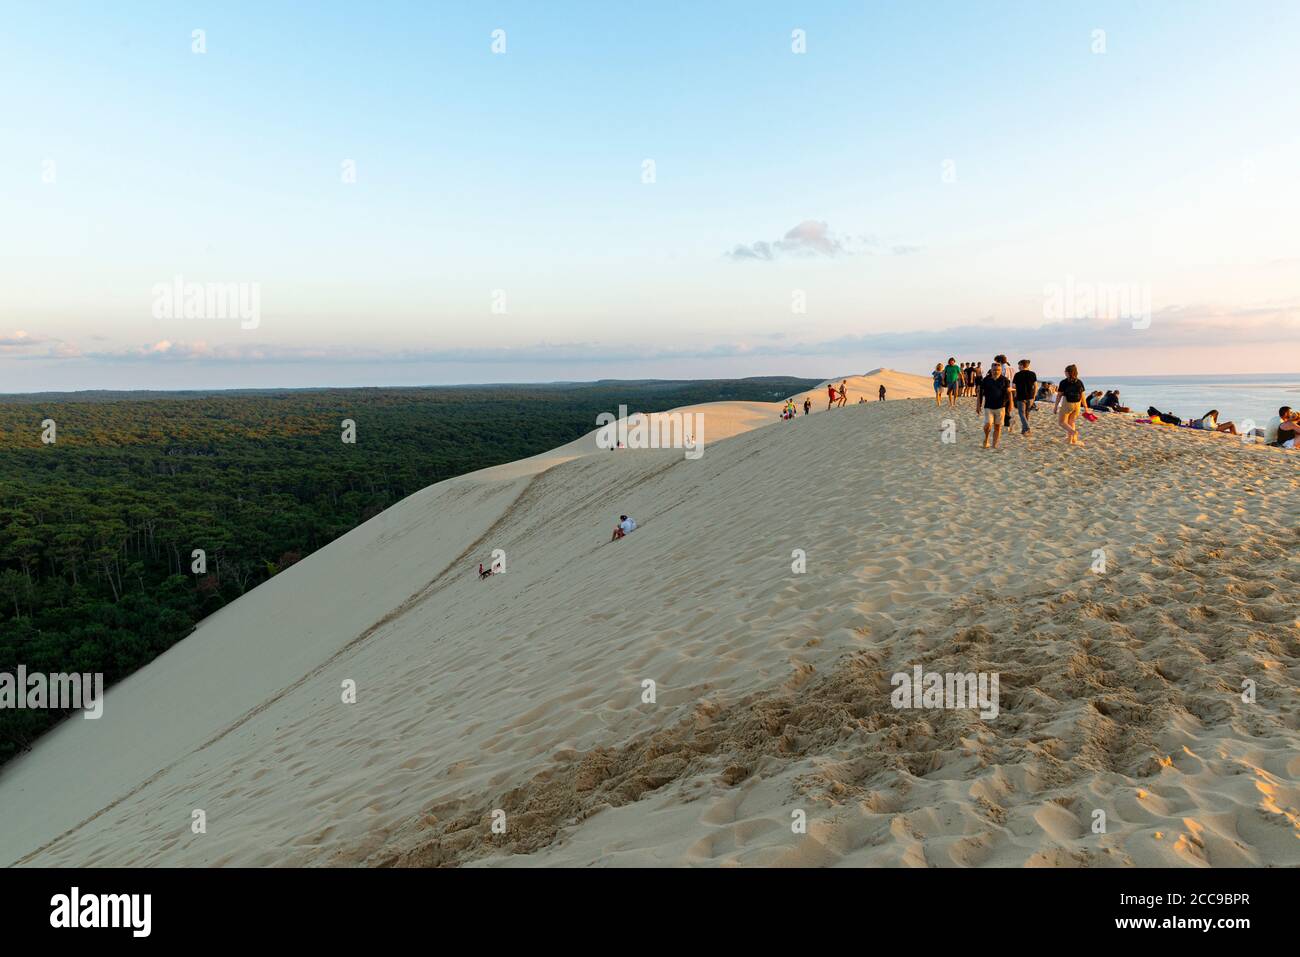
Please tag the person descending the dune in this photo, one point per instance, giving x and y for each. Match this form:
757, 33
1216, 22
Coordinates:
952, 380
1069, 397
830, 391
623, 528
1025, 382
995, 390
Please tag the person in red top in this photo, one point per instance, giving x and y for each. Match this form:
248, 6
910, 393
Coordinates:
830, 391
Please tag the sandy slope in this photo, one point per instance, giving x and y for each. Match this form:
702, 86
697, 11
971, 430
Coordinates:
1120, 691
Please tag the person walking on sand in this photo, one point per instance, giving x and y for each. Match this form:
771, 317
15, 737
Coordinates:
937, 376
1069, 396
1003, 361
830, 392
952, 380
844, 394
996, 392
1026, 385
807, 406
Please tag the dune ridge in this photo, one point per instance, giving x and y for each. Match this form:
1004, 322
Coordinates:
1121, 691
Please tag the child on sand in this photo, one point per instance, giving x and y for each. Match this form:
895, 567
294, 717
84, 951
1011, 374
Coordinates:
937, 375
1069, 396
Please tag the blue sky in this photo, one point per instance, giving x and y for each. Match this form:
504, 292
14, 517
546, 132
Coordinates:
915, 183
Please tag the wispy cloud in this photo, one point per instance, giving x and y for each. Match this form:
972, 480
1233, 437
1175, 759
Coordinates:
814, 238
1174, 327
22, 344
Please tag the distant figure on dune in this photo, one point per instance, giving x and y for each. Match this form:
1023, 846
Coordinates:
882, 393
807, 406
1069, 397
623, 528
995, 390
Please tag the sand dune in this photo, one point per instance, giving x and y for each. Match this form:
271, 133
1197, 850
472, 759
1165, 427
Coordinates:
1121, 691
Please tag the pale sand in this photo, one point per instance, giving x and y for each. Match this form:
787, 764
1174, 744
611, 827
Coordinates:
1120, 692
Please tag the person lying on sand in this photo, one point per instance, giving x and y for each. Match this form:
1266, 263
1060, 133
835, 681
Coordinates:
1210, 423
624, 526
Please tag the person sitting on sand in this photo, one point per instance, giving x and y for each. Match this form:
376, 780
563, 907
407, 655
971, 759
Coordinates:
1069, 397
1286, 427
623, 528
995, 390
1210, 423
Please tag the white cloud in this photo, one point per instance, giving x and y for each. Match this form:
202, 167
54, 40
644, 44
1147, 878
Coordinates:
814, 238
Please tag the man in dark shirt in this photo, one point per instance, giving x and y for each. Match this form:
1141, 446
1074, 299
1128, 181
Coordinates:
995, 391
1026, 385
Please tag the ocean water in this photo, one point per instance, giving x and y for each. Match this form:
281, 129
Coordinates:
1237, 397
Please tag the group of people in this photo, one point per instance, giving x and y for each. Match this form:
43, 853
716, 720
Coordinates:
1000, 390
